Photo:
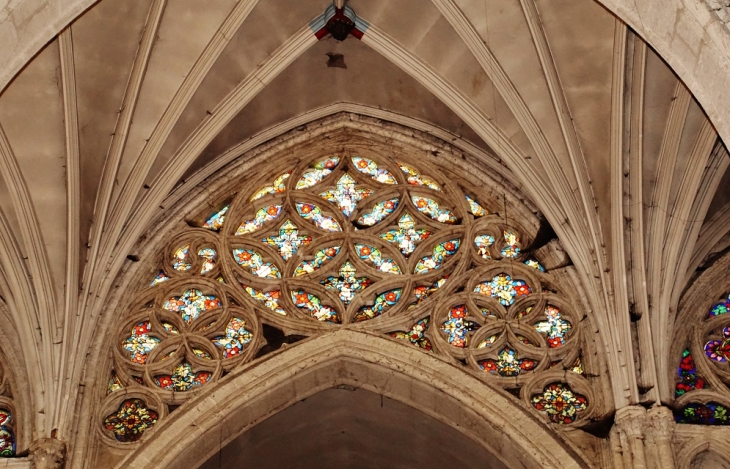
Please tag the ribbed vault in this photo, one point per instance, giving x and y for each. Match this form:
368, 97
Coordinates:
113, 112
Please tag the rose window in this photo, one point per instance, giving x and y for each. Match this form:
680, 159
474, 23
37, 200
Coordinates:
400, 248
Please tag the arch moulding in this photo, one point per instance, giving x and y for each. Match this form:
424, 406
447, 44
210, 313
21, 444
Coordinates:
249, 395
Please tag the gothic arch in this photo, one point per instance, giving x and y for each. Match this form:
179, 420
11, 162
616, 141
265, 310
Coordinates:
357, 359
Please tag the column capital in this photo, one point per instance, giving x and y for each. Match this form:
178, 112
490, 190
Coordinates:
47, 453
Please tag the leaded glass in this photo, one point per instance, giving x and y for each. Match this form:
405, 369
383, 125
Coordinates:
416, 336
512, 249
252, 260
503, 288
289, 241
474, 208
131, 420
346, 195
383, 302
237, 336
314, 213
378, 212
488, 342
687, 373
191, 304
320, 257
722, 307
208, 256
534, 264
711, 413
7, 437
719, 350
431, 208
315, 175
560, 403
414, 178
555, 328
482, 243
181, 259
115, 384
440, 253
277, 187
508, 363
314, 306
373, 255
159, 278
347, 284
457, 327
371, 168
263, 215
139, 344
424, 291
406, 236
270, 299
215, 222
183, 378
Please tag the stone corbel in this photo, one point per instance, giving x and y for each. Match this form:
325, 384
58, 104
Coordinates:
660, 431
47, 453
630, 421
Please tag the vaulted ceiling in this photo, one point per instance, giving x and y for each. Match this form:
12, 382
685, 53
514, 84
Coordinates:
135, 102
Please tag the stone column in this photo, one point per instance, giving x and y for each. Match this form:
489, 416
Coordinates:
47, 453
659, 429
630, 422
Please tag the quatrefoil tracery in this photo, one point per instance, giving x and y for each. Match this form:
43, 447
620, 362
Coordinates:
344, 240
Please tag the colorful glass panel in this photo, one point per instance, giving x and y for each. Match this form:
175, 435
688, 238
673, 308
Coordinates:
407, 237
722, 307
170, 328
689, 380
215, 222
191, 304
289, 241
7, 437
208, 256
373, 255
159, 278
252, 260
371, 168
578, 366
425, 291
512, 249
181, 259
488, 342
277, 187
560, 402
270, 299
131, 420
482, 243
719, 350
503, 288
183, 378
314, 306
507, 363
200, 353
347, 284
711, 413
378, 212
346, 195
414, 178
263, 215
115, 384
383, 302
237, 336
431, 208
440, 253
320, 257
313, 213
457, 327
139, 344
474, 208
314, 176
416, 336
555, 328
534, 264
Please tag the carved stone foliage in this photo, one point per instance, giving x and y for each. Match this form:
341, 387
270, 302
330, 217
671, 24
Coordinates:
352, 237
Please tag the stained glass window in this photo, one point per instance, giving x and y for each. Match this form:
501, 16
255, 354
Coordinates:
7, 436
342, 239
